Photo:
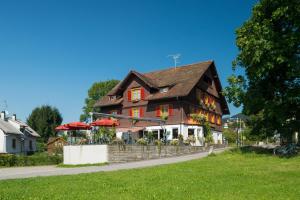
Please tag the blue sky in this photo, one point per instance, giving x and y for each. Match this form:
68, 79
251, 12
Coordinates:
51, 52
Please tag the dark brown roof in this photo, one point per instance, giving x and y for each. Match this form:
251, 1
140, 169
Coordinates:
180, 80
106, 101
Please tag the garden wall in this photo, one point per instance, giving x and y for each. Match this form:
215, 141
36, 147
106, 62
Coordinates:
91, 154
85, 154
127, 153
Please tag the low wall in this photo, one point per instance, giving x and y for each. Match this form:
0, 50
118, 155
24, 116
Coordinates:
85, 154
127, 153
91, 154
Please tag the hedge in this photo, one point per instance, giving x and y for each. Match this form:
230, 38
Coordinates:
11, 160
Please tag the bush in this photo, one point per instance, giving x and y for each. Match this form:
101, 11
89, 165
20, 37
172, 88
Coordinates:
174, 142
142, 141
11, 160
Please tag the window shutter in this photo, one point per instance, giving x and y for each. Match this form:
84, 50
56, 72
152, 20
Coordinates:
141, 112
170, 110
142, 93
157, 111
129, 95
130, 112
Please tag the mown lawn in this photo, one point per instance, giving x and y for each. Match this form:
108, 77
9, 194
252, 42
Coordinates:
231, 175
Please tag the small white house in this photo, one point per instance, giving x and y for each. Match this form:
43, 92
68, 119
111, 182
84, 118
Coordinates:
16, 136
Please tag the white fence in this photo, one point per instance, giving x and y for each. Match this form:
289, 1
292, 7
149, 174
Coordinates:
85, 154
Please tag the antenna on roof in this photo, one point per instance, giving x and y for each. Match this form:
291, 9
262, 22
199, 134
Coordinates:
175, 57
4, 107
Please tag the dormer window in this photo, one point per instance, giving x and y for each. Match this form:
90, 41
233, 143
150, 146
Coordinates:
112, 97
164, 90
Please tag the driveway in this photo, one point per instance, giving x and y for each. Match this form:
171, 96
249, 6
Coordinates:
27, 172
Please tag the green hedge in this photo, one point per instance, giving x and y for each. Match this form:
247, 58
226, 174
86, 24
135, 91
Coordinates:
11, 160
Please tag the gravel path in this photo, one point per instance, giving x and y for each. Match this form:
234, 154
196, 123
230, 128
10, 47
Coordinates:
27, 172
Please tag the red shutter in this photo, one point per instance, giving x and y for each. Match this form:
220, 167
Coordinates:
157, 111
141, 112
130, 112
142, 93
170, 110
129, 95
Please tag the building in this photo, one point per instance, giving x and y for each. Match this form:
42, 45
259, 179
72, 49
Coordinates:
172, 94
55, 145
15, 136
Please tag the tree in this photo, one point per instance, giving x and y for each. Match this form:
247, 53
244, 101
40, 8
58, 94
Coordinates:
98, 90
269, 53
44, 120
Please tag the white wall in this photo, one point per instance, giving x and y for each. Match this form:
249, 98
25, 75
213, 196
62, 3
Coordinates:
182, 129
8, 143
217, 136
2, 142
85, 154
26, 144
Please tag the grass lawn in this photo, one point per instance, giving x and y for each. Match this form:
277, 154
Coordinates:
231, 175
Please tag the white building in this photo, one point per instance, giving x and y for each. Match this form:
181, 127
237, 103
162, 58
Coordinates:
15, 136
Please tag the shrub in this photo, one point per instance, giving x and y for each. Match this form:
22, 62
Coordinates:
174, 142
11, 160
142, 141
158, 142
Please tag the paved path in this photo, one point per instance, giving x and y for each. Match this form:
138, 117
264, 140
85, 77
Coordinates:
26, 172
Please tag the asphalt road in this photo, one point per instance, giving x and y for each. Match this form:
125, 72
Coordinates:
27, 172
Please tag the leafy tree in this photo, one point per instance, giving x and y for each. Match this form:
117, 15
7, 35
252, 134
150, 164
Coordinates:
269, 53
44, 120
98, 90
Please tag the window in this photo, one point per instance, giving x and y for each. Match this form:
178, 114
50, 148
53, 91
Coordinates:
136, 94
164, 90
175, 133
112, 97
14, 143
30, 145
191, 132
135, 112
114, 112
164, 110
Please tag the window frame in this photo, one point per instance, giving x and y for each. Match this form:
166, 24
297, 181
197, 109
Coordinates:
136, 111
173, 133
139, 90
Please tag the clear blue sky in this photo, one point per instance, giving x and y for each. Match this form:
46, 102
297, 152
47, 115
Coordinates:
52, 51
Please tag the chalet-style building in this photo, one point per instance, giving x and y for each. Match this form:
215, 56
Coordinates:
175, 93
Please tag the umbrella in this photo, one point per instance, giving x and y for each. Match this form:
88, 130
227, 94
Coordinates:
62, 128
105, 122
77, 126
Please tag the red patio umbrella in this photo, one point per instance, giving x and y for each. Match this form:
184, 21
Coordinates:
105, 122
77, 126
62, 128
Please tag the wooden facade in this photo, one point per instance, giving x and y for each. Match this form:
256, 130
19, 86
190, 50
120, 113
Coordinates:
135, 96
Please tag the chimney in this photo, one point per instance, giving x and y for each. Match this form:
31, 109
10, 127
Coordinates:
14, 117
2, 115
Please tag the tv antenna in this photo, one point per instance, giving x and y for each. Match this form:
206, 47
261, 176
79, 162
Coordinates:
5, 106
175, 57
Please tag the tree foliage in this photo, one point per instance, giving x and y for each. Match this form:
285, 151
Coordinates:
98, 90
44, 120
269, 53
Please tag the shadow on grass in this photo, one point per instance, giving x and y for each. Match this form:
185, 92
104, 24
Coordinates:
260, 150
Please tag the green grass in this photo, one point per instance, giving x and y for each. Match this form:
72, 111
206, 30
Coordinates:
80, 165
231, 175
